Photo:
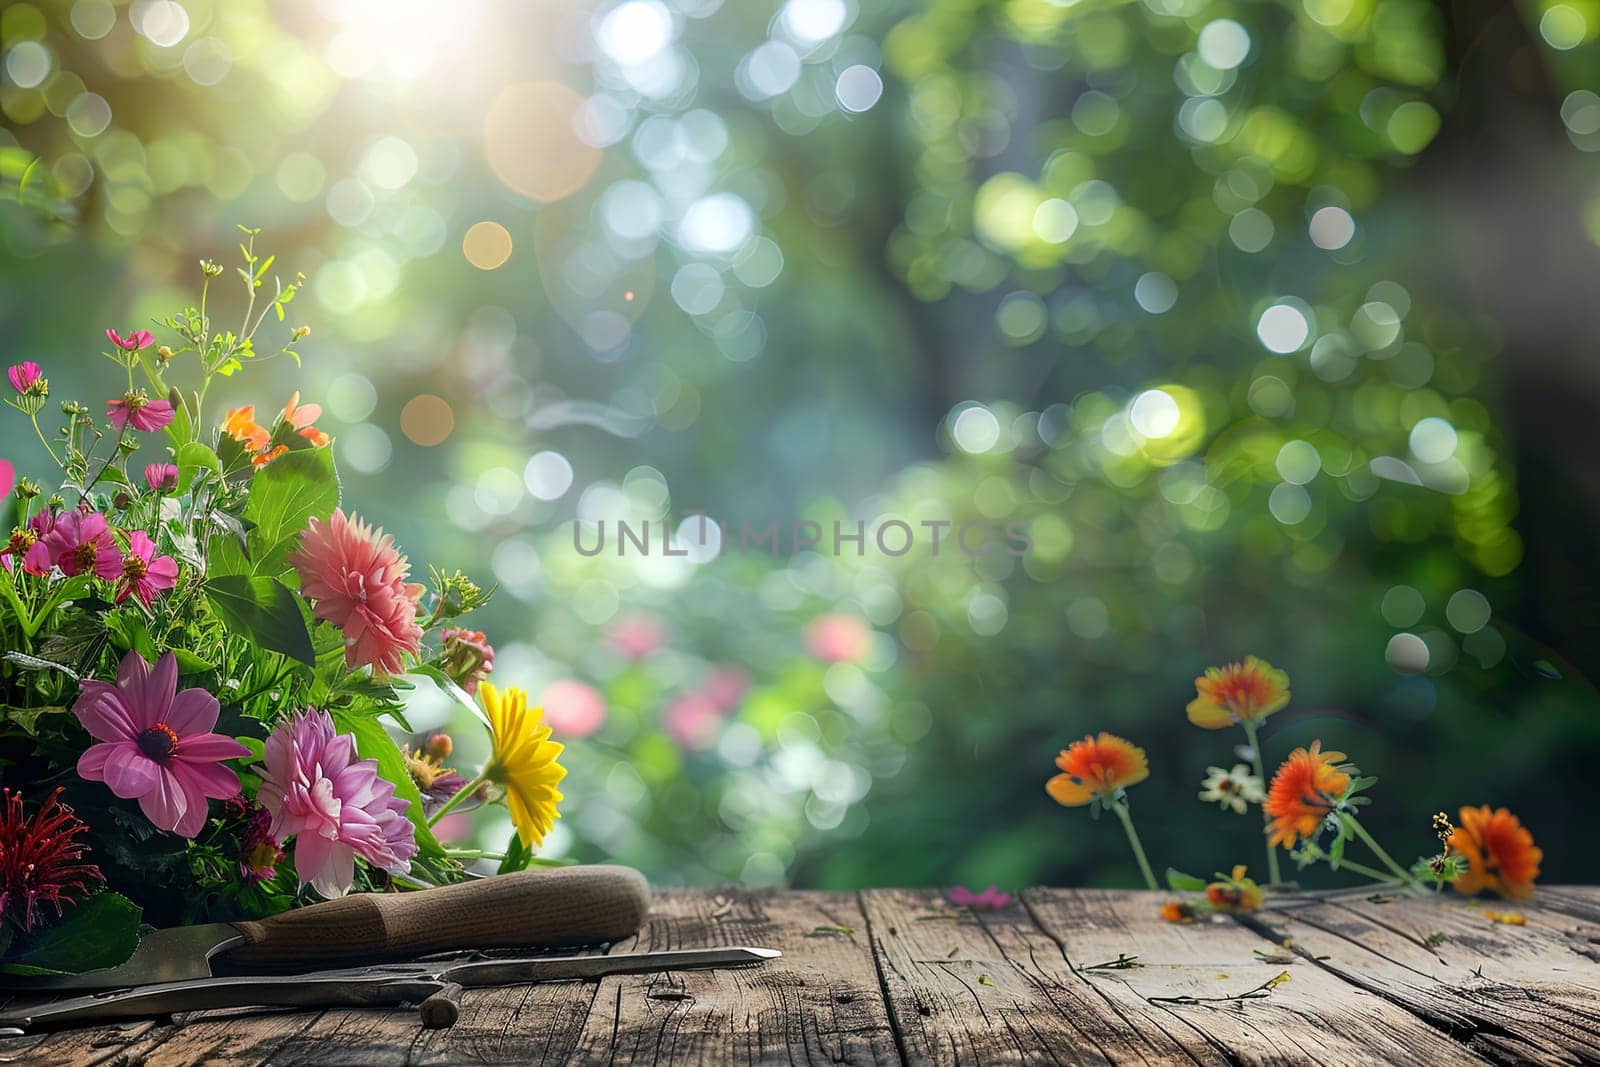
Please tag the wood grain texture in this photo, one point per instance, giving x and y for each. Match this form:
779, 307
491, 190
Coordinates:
1515, 993
891, 976
819, 1004
1312, 1018
547, 908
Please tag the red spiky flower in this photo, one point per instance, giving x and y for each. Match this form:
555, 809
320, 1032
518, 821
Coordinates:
41, 859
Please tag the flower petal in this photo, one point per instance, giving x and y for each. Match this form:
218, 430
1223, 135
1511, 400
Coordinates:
193, 711
130, 773
205, 777
165, 803
1067, 790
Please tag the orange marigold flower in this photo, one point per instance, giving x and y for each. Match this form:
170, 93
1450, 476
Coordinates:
1499, 851
240, 424
1177, 911
1230, 694
1302, 793
1237, 892
267, 457
1096, 767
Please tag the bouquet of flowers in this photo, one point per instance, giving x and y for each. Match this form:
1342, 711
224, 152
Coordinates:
200, 648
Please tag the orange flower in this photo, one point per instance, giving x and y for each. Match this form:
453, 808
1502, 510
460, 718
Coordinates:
1237, 892
240, 424
301, 416
1231, 694
1302, 793
1177, 911
267, 457
1499, 850
1096, 767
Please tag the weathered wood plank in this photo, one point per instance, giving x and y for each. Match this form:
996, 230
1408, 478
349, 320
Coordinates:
819, 1004
1316, 1017
1514, 993
991, 987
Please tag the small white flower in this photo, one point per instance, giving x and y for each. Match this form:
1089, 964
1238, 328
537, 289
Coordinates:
1236, 789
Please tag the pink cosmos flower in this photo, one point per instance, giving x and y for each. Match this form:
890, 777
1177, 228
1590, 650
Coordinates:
77, 542
8, 478
25, 537
725, 686
572, 708
990, 899
136, 340
358, 582
838, 638
135, 408
467, 656
335, 806
143, 575
23, 375
156, 743
162, 477
638, 635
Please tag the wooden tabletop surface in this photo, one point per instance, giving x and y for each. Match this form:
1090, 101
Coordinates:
1063, 976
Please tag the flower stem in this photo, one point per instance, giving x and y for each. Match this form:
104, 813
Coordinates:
1371, 872
1274, 876
1121, 808
34, 418
1377, 850
460, 794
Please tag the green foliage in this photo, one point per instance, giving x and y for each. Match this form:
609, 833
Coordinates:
264, 609
101, 932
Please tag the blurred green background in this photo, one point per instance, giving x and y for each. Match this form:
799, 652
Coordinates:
1274, 321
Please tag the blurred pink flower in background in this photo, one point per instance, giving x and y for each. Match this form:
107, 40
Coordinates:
637, 635
725, 686
8, 478
990, 899
693, 721
838, 638
572, 708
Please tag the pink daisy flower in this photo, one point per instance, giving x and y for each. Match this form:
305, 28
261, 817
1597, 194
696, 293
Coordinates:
357, 581
143, 575
335, 806
161, 477
23, 376
77, 542
157, 744
136, 409
136, 340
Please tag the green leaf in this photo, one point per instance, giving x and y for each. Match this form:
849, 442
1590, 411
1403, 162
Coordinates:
28, 718
264, 610
373, 742
1184, 883
193, 458
450, 689
101, 932
284, 496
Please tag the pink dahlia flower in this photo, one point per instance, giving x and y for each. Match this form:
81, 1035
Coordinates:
157, 744
143, 575
136, 340
136, 409
23, 376
357, 581
77, 542
335, 806
161, 477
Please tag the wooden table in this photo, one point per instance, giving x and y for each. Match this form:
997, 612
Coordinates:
1065, 976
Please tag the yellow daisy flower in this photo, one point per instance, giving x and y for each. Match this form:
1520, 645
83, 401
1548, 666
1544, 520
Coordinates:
523, 761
